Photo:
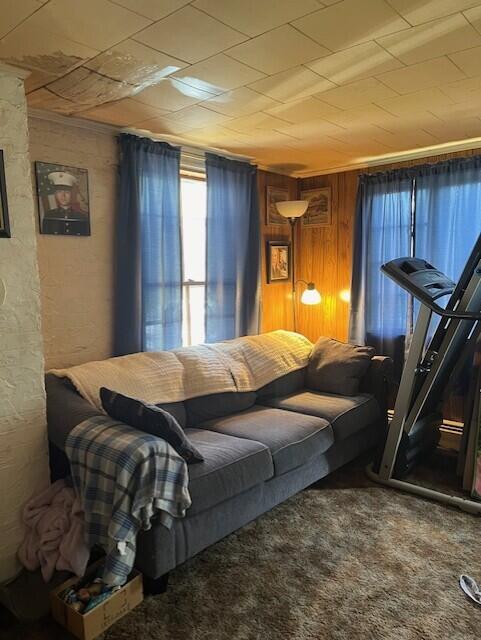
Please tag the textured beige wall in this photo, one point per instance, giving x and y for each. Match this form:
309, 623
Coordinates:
77, 272
23, 449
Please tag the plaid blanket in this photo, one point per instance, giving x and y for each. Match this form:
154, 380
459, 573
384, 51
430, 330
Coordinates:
124, 477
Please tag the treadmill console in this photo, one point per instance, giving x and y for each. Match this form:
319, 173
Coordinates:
419, 278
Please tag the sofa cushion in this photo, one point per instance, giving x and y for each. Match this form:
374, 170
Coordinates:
231, 466
337, 367
151, 419
284, 385
215, 405
177, 410
346, 414
293, 438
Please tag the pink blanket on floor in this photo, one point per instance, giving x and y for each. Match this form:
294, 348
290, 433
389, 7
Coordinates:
54, 532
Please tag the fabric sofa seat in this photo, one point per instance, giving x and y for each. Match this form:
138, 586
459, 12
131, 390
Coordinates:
346, 414
292, 438
231, 466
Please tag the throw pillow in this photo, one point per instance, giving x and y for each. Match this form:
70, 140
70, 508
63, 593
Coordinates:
337, 367
151, 419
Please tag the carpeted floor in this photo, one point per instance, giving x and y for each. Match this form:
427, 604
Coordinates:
344, 560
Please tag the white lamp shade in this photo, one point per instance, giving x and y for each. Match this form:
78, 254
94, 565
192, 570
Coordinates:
292, 208
311, 295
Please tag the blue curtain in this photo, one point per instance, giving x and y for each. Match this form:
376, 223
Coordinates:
233, 249
379, 308
148, 300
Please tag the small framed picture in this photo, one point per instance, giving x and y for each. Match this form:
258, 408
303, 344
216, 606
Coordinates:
278, 261
4, 221
319, 213
273, 195
63, 199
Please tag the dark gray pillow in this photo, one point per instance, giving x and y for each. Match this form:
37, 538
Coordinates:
216, 405
337, 367
151, 419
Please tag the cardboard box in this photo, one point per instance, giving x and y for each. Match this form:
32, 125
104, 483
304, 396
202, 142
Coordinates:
90, 625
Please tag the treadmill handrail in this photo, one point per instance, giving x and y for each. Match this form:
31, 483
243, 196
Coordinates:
452, 313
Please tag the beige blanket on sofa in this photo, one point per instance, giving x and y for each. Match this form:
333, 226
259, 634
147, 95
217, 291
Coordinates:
242, 364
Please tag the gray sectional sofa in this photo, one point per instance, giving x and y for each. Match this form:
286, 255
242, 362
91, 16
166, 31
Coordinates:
260, 448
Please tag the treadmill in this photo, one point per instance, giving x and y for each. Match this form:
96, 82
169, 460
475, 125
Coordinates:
430, 364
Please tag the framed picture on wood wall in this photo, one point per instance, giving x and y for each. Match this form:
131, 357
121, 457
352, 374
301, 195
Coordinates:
278, 261
63, 199
319, 210
273, 195
4, 221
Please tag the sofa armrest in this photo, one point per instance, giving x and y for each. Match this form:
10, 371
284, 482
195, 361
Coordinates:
379, 380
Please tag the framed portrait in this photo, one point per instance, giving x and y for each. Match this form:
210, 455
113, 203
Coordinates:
4, 221
319, 213
273, 195
63, 199
278, 261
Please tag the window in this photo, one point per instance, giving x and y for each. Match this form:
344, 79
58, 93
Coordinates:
193, 198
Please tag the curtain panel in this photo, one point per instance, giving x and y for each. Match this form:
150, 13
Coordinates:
233, 249
427, 211
148, 276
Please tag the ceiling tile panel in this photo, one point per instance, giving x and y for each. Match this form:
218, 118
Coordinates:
459, 130
255, 121
292, 84
474, 16
311, 129
190, 35
468, 61
45, 99
306, 109
172, 95
134, 63
122, 113
88, 88
218, 74
351, 22
424, 100
361, 61
432, 73
14, 12
370, 114
98, 24
240, 102
197, 116
164, 126
432, 39
464, 91
418, 11
253, 17
277, 50
357, 94
152, 9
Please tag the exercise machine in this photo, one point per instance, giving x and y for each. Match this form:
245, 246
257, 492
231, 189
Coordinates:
430, 364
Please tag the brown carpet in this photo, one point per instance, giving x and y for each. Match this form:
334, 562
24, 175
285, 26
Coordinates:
345, 559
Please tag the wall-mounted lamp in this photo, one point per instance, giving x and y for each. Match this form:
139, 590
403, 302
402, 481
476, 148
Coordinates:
293, 210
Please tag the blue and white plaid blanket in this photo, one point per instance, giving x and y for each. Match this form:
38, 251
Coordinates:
124, 477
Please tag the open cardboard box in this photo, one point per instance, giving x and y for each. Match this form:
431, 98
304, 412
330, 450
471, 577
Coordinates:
89, 625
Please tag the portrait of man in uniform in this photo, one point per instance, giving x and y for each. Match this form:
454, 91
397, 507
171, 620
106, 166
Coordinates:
63, 200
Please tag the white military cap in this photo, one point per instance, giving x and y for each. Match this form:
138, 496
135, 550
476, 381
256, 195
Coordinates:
62, 179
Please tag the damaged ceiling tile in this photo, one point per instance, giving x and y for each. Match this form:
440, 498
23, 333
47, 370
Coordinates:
45, 99
88, 89
122, 113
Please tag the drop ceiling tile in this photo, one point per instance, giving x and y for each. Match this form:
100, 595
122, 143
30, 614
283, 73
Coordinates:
37, 79
122, 113
215, 135
277, 50
425, 99
357, 94
292, 84
197, 116
45, 51
218, 74
414, 138
189, 34
423, 75
459, 111
163, 126
14, 12
240, 102
468, 61
464, 90
369, 114
361, 61
85, 87
134, 63
351, 22
98, 24
458, 130
301, 110
419, 11
253, 17
433, 39
254, 121
152, 9
171, 94
474, 17
45, 99
311, 129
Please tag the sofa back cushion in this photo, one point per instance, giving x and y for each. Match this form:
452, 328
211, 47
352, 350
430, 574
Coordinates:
176, 409
216, 405
151, 419
285, 385
337, 367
